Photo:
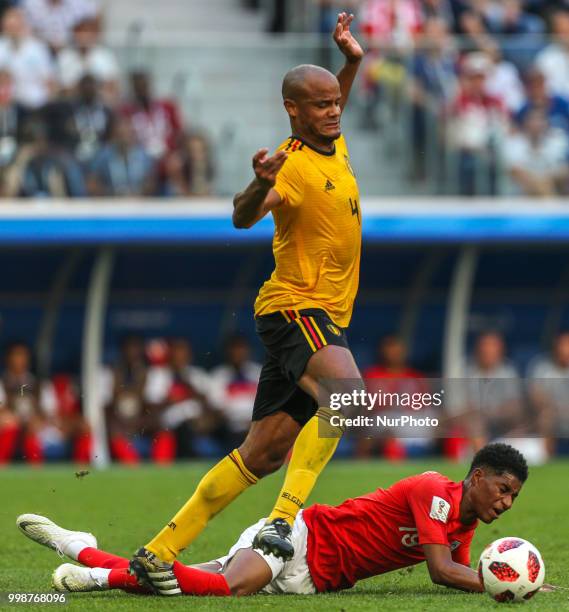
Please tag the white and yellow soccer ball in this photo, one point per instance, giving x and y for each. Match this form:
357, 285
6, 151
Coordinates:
511, 569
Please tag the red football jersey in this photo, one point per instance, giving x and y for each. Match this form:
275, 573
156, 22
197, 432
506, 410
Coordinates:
385, 530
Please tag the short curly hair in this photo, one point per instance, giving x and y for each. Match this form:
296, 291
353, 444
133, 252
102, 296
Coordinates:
501, 458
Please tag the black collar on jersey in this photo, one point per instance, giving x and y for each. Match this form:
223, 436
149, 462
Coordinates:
320, 151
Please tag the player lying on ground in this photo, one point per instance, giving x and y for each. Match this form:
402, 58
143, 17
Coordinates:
421, 518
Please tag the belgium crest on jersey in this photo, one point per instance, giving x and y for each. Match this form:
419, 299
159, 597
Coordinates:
332, 328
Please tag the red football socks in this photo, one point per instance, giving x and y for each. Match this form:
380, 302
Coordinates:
197, 582
91, 557
192, 581
121, 579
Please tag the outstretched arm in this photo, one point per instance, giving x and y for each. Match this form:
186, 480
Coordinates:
256, 200
444, 571
353, 52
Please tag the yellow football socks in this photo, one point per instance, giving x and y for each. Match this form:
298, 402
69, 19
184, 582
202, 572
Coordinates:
217, 489
310, 455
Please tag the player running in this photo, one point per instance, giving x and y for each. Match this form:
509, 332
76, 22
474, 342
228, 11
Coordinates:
421, 518
301, 314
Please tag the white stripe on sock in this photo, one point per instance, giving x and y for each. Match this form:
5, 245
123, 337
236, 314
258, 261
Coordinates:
73, 549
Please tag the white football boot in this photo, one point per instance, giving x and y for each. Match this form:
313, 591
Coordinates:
45, 532
69, 578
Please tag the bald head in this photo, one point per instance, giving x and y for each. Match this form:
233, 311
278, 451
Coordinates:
297, 80
313, 100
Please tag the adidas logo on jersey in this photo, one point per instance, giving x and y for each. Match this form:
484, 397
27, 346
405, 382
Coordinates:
329, 186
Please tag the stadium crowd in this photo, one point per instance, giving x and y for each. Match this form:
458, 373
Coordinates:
67, 129
161, 406
486, 83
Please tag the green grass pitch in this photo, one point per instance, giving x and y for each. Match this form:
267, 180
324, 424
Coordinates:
124, 507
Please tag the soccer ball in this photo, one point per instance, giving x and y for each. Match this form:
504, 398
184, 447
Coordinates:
511, 569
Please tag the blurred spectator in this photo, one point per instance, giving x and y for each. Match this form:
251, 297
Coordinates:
328, 13
87, 57
392, 361
509, 17
11, 120
16, 409
134, 428
42, 171
503, 81
122, 167
6, 4
157, 123
553, 61
391, 27
28, 59
519, 33
327, 17
393, 375
10, 427
176, 176
200, 158
46, 416
522, 29
92, 120
180, 391
537, 157
187, 170
69, 418
494, 392
474, 32
555, 107
549, 393
396, 22
477, 122
54, 20
233, 388
433, 85
446, 10
80, 125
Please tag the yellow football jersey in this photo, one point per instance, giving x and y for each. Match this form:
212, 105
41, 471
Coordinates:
318, 230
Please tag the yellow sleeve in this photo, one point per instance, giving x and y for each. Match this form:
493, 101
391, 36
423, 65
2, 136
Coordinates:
290, 184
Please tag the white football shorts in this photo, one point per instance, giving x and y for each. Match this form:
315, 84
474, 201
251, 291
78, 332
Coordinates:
288, 576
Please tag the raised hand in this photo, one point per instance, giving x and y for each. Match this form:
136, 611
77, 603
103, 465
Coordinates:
266, 168
347, 44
